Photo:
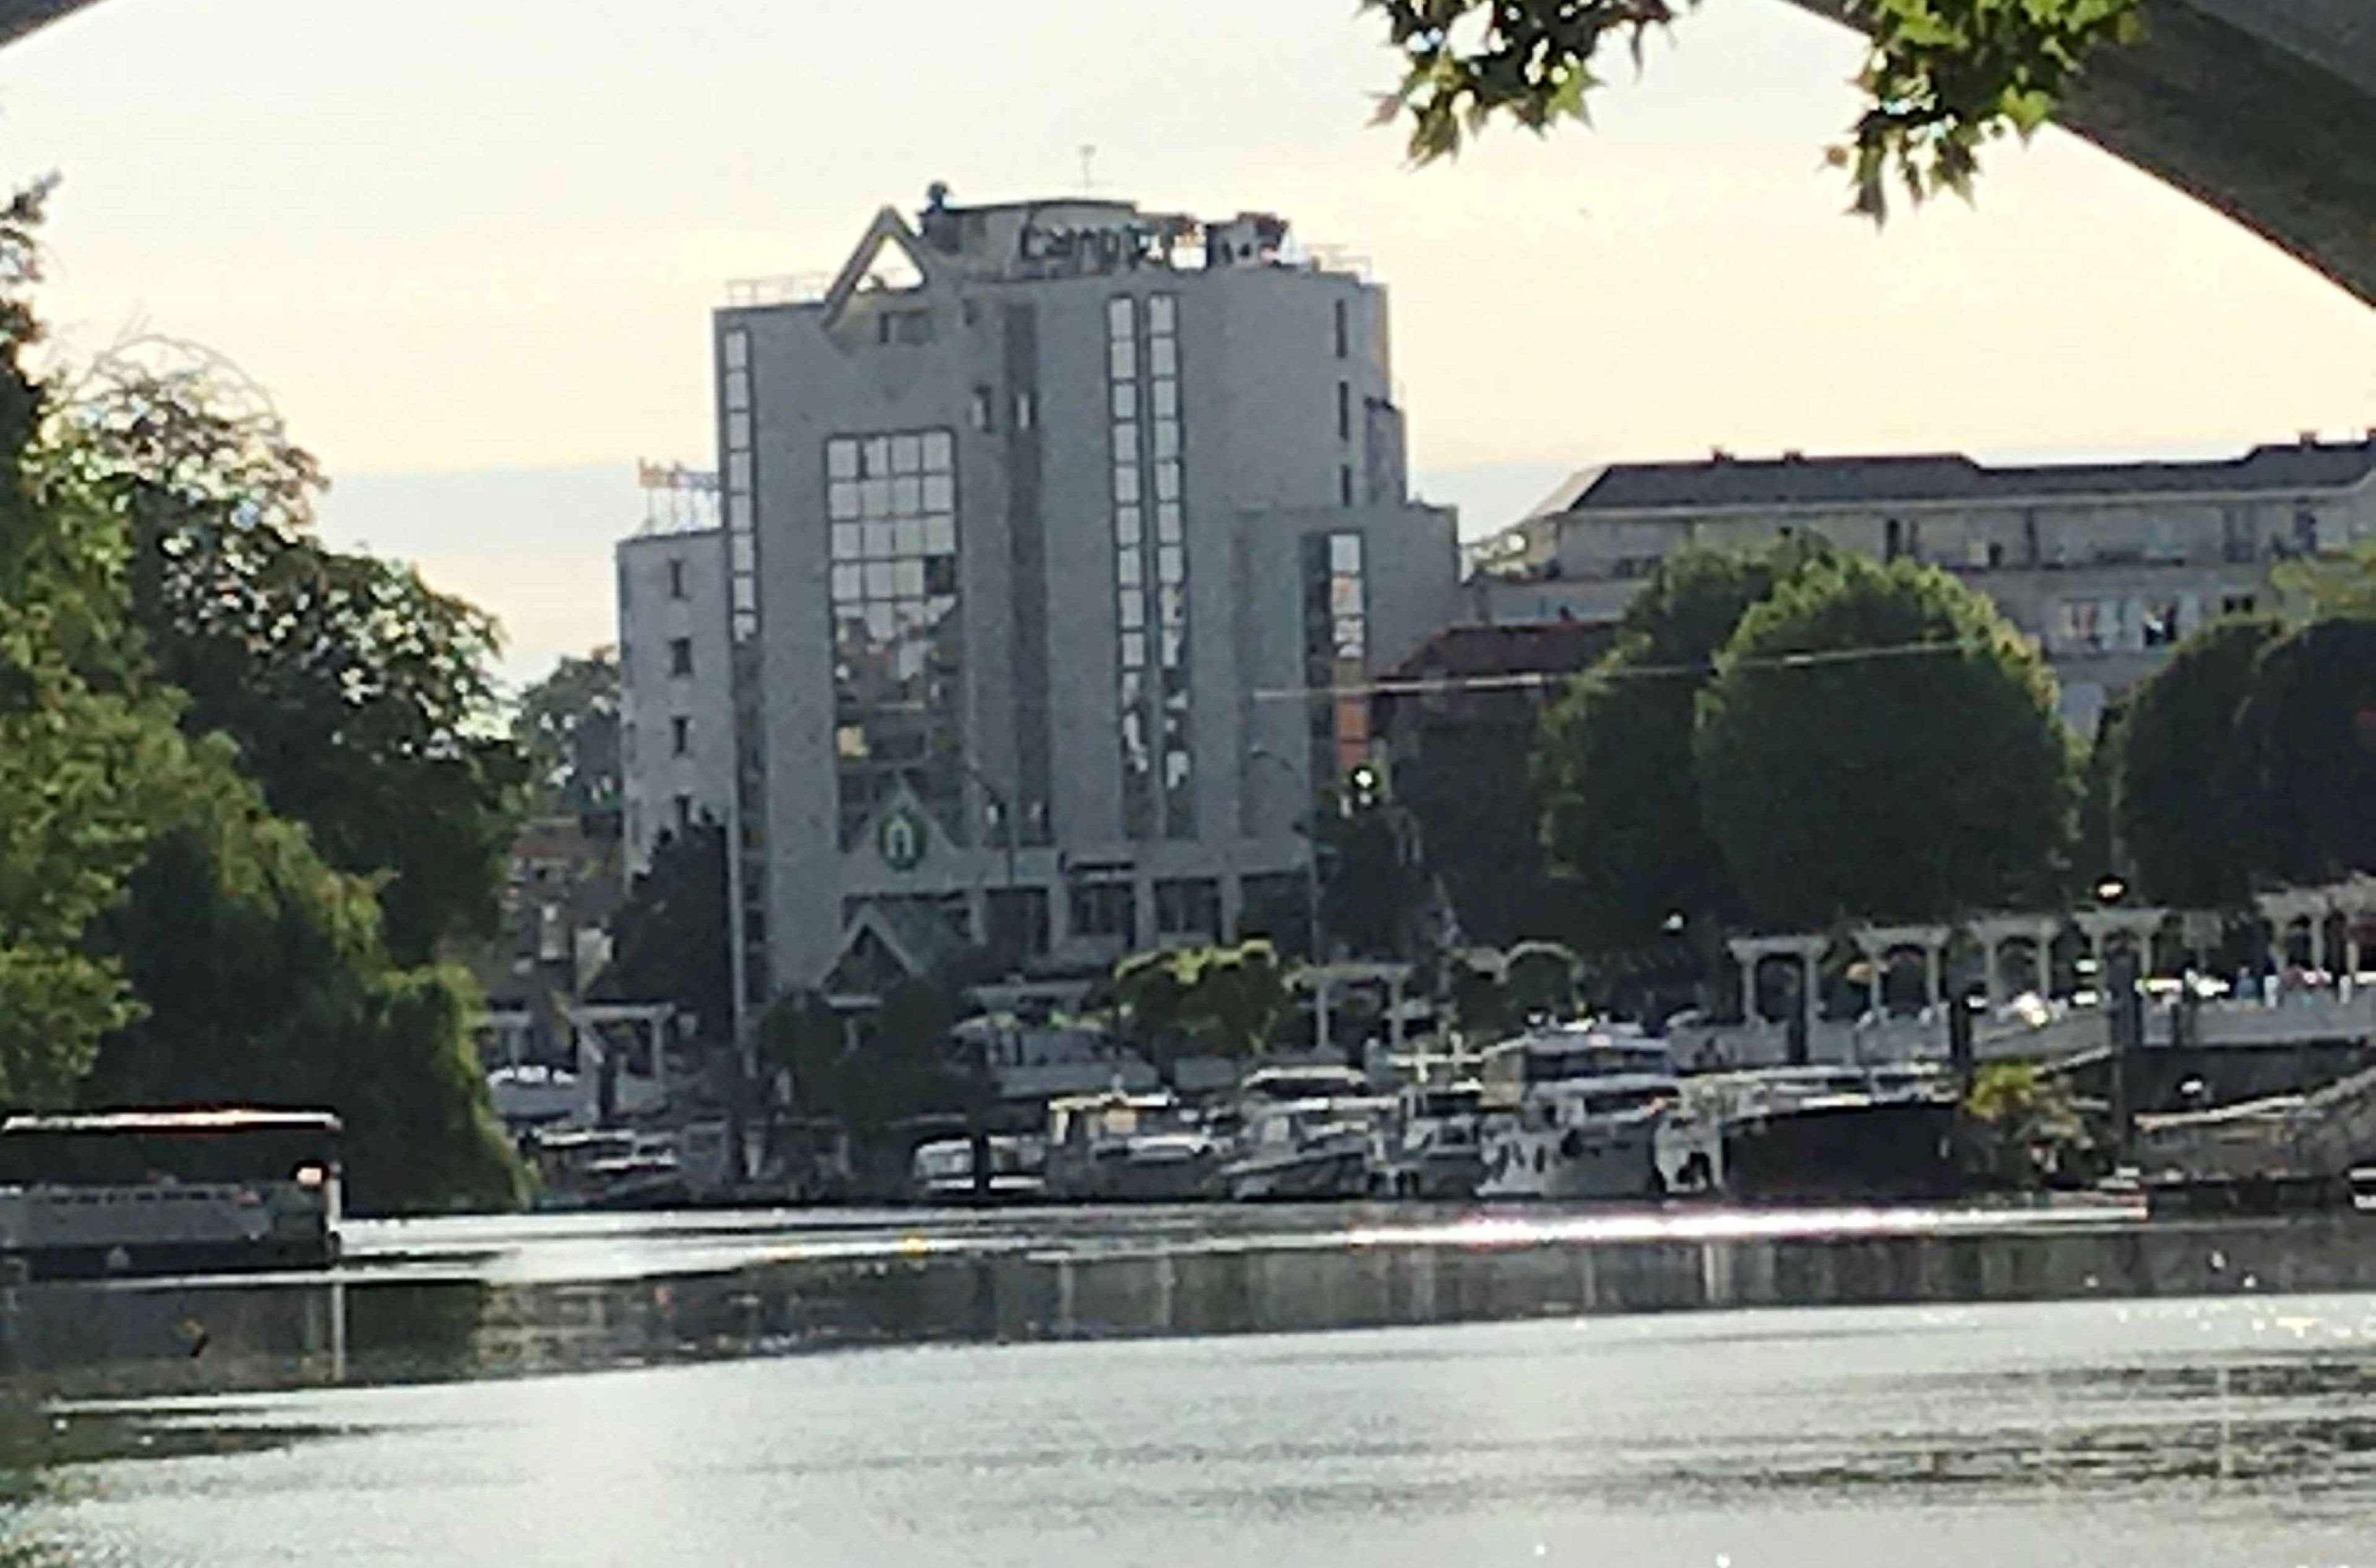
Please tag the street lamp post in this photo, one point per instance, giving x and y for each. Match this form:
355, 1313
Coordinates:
2124, 1013
1311, 831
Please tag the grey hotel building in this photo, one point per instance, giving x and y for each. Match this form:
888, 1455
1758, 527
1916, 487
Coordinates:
1058, 540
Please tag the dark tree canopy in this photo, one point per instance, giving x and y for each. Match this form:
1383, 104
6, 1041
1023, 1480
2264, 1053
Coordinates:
90, 764
2306, 754
1613, 765
360, 698
1227, 1001
1941, 77
165, 937
670, 940
2174, 788
1541, 977
265, 982
1369, 881
2097, 845
1879, 742
567, 728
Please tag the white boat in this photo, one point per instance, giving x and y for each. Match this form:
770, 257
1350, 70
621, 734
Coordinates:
942, 1171
1300, 1149
1311, 1080
1432, 1145
1573, 1111
1127, 1147
1588, 1138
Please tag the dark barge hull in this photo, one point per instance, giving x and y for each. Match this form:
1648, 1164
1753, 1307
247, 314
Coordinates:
1898, 1151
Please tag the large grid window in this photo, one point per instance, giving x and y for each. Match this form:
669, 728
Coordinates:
1150, 567
898, 654
736, 403
1337, 648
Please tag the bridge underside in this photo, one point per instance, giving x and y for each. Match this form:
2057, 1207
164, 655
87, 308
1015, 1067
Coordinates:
18, 17
2282, 143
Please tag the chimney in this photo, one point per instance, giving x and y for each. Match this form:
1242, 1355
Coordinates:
2310, 438
1793, 455
1718, 454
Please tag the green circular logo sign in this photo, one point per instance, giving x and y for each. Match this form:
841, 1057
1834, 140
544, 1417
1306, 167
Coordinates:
901, 841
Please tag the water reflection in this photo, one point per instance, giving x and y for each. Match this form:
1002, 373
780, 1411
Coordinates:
86, 1340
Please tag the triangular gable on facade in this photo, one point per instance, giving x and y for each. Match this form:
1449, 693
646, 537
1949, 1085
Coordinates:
888, 228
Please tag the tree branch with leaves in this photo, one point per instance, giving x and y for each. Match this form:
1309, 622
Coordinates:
1940, 78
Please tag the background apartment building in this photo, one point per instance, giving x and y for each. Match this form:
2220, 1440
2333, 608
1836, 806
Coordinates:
676, 730
1042, 523
2106, 564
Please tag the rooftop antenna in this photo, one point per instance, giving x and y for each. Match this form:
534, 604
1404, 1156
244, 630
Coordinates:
1089, 158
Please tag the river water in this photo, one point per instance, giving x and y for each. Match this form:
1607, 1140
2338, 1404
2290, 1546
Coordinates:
897, 1389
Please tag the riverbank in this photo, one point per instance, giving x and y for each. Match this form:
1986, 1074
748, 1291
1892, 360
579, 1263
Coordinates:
467, 1298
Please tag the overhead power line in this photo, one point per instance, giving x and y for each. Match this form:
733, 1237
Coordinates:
1528, 680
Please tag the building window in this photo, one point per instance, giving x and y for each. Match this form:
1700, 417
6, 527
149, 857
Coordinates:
676, 577
1344, 484
1893, 540
2236, 603
1344, 412
1018, 922
1152, 686
684, 810
1106, 908
680, 655
2305, 530
741, 503
898, 651
679, 735
1023, 411
1344, 333
1337, 637
2160, 624
905, 327
1188, 907
979, 415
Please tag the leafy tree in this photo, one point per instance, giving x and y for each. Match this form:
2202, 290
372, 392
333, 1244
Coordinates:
1227, 1000
567, 728
2331, 587
801, 1033
1151, 989
2099, 845
2175, 778
359, 696
670, 940
1879, 742
2023, 1130
265, 981
903, 1068
163, 937
87, 765
1941, 77
1542, 978
1369, 885
1236, 997
1613, 762
1481, 997
2306, 754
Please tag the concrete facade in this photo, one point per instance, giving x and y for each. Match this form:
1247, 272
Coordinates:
2107, 566
1022, 513
676, 739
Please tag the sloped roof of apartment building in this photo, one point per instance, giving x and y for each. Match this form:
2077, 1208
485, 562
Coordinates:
1792, 481
1530, 646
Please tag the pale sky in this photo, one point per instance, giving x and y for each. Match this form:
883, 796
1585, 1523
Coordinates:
469, 245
